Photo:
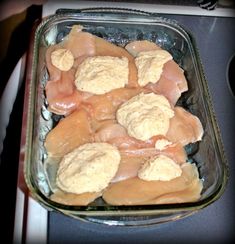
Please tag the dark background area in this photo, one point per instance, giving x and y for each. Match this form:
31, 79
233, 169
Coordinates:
14, 41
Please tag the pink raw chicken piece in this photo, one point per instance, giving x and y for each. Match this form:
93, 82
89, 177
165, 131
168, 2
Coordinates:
184, 127
66, 98
134, 152
173, 72
74, 199
191, 194
71, 132
172, 82
135, 191
80, 43
104, 106
62, 96
167, 88
61, 93
140, 46
115, 134
131, 163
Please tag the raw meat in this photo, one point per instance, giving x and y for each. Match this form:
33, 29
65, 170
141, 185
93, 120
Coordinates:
70, 133
135, 191
74, 199
184, 127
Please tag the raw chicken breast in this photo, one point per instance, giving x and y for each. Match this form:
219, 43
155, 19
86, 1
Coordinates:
105, 48
167, 88
184, 127
61, 93
105, 106
74, 199
131, 144
80, 43
100, 107
172, 82
116, 134
112, 132
134, 152
173, 72
85, 49
131, 163
191, 194
176, 152
140, 46
70, 133
128, 167
135, 191
109, 131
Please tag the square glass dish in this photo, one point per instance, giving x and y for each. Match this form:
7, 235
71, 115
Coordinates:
120, 26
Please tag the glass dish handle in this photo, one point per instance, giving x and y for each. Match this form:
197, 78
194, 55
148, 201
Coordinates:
107, 10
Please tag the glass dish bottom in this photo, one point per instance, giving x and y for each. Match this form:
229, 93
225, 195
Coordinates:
134, 221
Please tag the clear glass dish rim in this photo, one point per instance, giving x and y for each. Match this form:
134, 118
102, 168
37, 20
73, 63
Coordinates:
116, 15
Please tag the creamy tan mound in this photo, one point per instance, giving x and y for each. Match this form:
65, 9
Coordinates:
160, 168
145, 115
150, 65
102, 74
62, 59
88, 168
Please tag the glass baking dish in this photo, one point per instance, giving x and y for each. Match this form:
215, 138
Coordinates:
121, 26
